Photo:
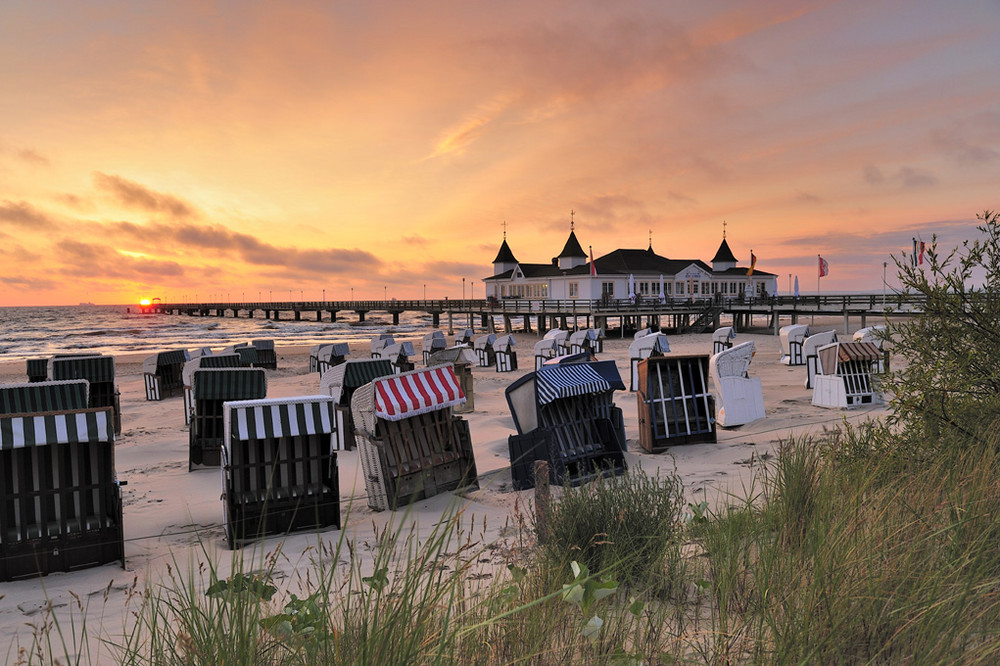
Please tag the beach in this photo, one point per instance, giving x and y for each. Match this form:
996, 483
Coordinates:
174, 518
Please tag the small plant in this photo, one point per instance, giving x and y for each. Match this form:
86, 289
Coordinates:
627, 526
585, 591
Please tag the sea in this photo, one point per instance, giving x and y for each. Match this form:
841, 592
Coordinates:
34, 332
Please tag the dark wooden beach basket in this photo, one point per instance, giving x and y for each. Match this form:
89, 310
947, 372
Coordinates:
60, 499
210, 389
411, 444
674, 402
162, 374
100, 372
231, 360
266, 355
341, 381
565, 414
280, 467
38, 369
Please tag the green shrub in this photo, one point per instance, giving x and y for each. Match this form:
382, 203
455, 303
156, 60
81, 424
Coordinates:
628, 526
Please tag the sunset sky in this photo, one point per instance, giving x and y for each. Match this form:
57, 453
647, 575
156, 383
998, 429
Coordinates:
197, 149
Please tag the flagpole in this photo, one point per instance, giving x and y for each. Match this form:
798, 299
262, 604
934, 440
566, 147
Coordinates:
819, 269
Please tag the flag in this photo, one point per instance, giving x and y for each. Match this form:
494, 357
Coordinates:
824, 268
593, 269
753, 262
796, 286
920, 257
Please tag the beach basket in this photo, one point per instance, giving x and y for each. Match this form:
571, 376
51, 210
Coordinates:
810, 347
462, 359
266, 355
483, 346
60, 499
432, 342
279, 467
410, 444
341, 381
565, 414
330, 355
224, 360
210, 388
162, 374
505, 356
844, 379
38, 369
651, 344
792, 337
674, 402
100, 372
740, 398
722, 339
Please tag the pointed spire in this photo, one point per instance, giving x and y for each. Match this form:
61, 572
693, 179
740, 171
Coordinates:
571, 222
723, 230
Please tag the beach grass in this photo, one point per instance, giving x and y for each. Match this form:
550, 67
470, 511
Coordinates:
840, 554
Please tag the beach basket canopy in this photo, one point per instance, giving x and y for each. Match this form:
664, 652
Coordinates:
281, 417
91, 425
352, 374
229, 384
416, 392
218, 361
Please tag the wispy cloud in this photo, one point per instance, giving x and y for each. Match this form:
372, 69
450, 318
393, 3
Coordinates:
134, 195
23, 214
220, 240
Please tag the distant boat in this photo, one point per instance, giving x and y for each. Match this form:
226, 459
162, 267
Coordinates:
85, 304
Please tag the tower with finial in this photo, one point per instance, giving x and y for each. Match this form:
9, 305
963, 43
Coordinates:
724, 259
572, 254
505, 260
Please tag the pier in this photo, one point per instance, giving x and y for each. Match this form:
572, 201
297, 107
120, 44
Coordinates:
540, 315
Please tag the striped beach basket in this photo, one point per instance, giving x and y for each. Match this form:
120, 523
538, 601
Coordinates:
162, 374
100, 372
410, 444
341, 381
60, 499
231, 360
279, 467
211, 388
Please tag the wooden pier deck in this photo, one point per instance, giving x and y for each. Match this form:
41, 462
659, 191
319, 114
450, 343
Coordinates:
540, 315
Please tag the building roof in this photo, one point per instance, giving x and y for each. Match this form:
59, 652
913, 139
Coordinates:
636, 262
724, 253
505, 256
742, 270
572, 248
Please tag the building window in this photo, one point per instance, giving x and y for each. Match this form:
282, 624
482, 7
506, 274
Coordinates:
574, 289
545, 290
694, 287
680, 288
644, 288
669, 287
608, 289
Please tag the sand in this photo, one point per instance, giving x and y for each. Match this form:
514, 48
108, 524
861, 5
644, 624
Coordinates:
173, 517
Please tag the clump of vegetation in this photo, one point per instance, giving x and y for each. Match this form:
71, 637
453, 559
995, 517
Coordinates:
628, 526
948, 394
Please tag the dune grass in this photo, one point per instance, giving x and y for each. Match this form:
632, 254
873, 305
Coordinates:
841, 553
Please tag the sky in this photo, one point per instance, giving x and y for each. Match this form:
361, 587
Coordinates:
194, 150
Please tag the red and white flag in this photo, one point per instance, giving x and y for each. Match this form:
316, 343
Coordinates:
824, 268
593, 269
920, 257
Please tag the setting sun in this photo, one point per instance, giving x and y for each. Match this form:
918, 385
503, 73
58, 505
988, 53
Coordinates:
144, 302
